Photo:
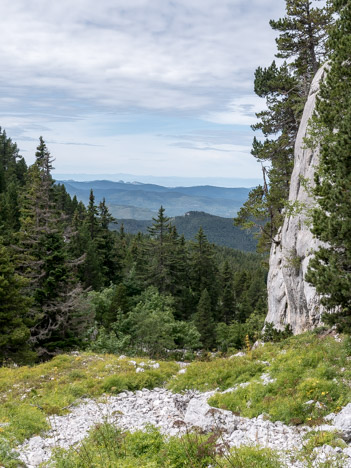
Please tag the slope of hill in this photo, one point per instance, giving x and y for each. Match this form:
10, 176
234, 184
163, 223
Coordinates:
298, 416
220, 231
218, 201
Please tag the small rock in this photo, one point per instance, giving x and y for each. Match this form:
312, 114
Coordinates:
257, 344
267, 379
239, 354
342, 422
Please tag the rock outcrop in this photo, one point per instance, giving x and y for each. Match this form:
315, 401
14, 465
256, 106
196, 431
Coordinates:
291, 300
173, 414
176, 414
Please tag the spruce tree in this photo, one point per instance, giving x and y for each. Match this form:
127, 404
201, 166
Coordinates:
204, 320
43, 258
228, 303
120, 305
15, 317
107, 246
330, 269
91, 271
12, 174
159, 251
203, 269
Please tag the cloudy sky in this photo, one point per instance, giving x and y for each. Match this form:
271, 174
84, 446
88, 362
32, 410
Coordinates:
161, 87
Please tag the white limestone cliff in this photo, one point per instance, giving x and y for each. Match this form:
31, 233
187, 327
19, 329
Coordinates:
291, 300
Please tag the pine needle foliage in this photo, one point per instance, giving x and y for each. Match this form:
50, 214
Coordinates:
330, 269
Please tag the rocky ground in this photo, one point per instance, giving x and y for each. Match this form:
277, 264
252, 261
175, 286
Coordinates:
175, 414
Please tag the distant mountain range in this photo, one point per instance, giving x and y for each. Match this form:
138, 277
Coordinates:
141, 201
220, 231
167, 181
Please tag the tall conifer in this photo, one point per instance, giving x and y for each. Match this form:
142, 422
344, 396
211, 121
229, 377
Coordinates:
330, 269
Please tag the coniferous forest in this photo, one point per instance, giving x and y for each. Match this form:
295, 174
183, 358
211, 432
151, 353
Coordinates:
149, 349
69, 282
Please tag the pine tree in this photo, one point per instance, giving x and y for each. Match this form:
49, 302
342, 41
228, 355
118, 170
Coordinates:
330, 269
303, 32
285, 88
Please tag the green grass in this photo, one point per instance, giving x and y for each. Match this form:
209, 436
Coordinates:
29, 394
220, 373
305, 367
106, 446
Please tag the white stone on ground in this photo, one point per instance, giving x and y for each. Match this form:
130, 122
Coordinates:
173, 414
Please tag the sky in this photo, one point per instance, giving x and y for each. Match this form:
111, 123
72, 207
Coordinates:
148, 87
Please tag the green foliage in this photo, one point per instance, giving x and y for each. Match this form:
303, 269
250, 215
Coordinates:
329, 270
29, 394
43, 259
303, 368
12, 173
203, 268
26, 420
233, 336
219, 230
148, 328
153, 327
303, 33
270, 333
319, 438
15, 318
110, 340
8, 456
204, 320
302, 42
244, 457
108, 446
219, 373
68, 282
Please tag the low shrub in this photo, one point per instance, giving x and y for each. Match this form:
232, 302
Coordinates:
108, 446
309, 379
218, 373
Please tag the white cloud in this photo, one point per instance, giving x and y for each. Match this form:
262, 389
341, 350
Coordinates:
80, 73
240, 111
152, 54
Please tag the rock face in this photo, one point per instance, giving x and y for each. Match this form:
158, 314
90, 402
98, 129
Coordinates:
291, 300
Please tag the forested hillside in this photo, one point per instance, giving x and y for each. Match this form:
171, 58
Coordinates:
68, 281
141, 201
218, 230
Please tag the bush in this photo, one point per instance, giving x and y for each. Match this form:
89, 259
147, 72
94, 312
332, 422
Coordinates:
108, 446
